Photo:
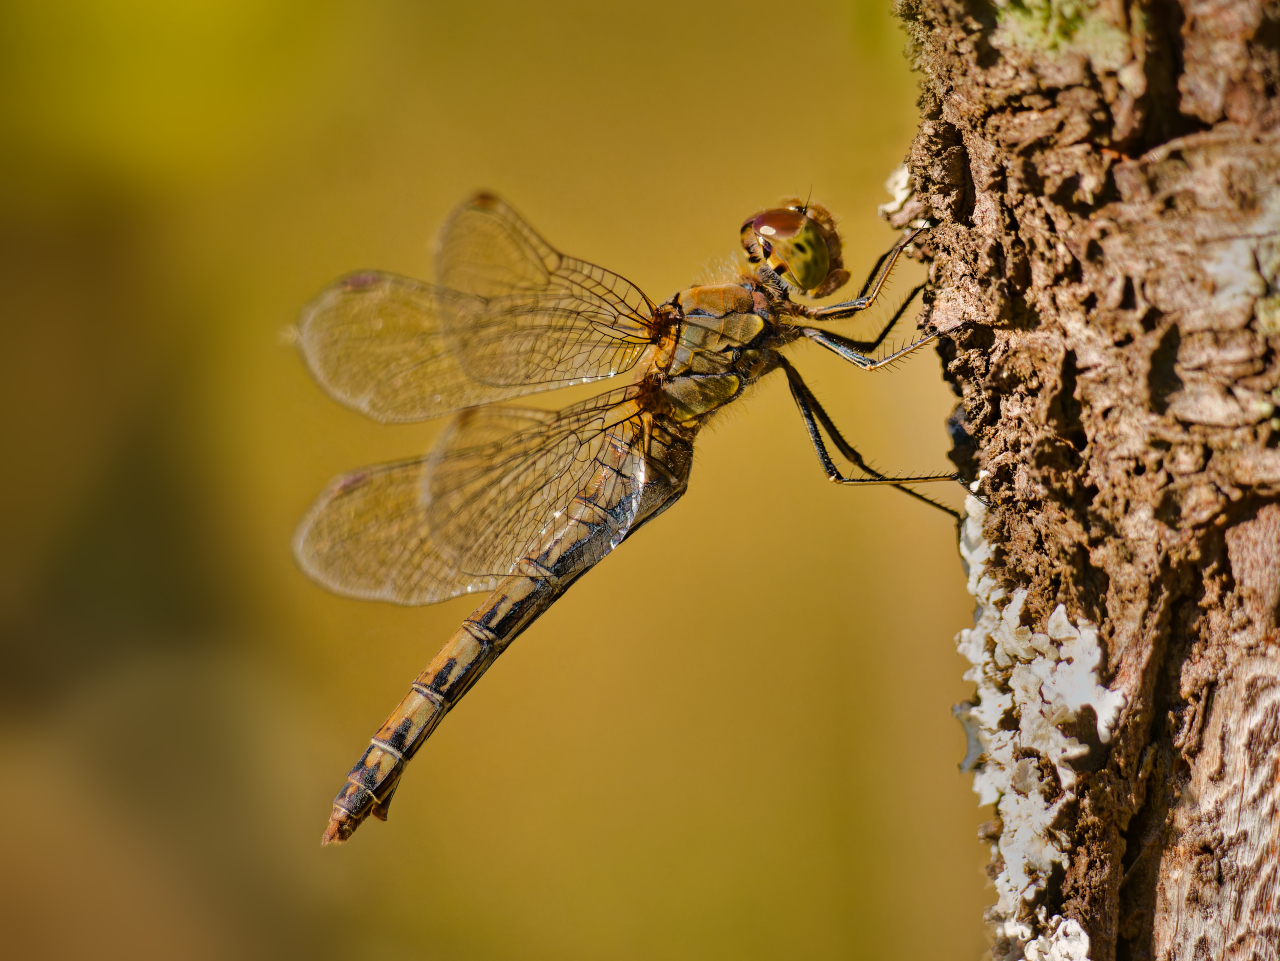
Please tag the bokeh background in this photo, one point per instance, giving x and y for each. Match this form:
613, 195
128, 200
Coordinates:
731, 740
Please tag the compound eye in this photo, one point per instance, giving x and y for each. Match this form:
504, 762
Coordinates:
795, 247
778, 224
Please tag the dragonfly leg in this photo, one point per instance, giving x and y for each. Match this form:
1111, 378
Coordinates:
851, 350
814, 415
870, 290
865, 346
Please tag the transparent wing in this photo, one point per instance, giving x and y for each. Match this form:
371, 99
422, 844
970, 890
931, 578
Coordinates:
457, 521
374, 341
524, 313
512, 317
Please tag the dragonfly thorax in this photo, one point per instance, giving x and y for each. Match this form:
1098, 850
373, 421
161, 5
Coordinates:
721, 346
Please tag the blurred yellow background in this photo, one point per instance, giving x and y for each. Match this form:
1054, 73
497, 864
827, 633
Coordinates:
732, 740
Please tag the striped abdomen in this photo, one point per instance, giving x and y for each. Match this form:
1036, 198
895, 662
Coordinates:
619, 496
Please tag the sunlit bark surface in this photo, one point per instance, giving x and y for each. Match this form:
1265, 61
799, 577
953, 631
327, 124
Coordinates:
1105, 181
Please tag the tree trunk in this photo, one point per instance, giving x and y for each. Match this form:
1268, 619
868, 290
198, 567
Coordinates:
1105, 184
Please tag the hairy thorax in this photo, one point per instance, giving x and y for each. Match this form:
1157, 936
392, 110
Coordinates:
724, 338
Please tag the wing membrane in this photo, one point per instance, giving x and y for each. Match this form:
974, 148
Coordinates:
529, 314
457, 520
374, 341
512, 317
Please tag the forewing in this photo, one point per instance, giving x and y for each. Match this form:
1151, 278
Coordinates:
528, 314
457, 521
375, 342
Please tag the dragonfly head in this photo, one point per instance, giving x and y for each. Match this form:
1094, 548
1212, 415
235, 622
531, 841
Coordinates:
800, 244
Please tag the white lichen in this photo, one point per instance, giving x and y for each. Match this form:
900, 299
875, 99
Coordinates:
1030, 685
898, 186
1064, 940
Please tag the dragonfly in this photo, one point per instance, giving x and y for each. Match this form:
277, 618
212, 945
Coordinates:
521, 502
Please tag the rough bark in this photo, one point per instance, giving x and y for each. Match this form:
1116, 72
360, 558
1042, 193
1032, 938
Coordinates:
1105, 184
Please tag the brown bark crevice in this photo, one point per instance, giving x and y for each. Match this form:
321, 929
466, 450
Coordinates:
1103, 182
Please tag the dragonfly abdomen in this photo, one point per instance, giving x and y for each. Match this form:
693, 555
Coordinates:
596, 521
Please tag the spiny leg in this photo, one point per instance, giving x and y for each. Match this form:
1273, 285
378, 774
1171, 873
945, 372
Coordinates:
875, 269
869, 345
814, 414
877, 276
870, 290
851, 350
